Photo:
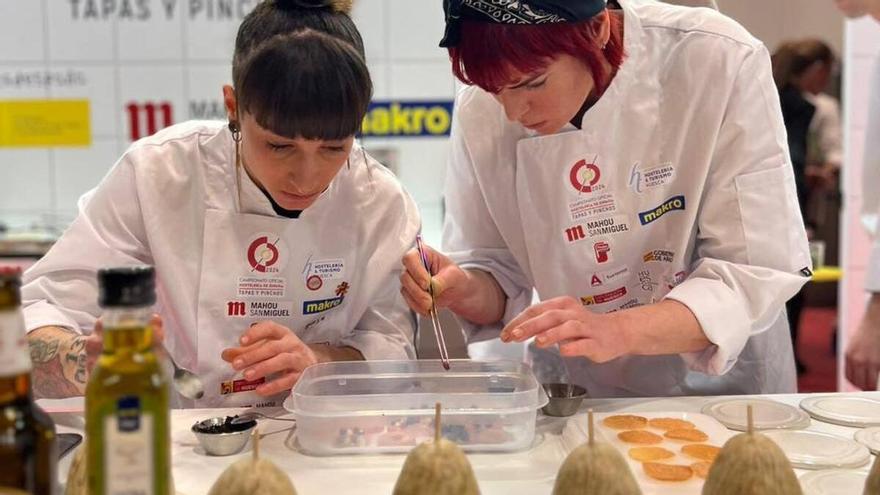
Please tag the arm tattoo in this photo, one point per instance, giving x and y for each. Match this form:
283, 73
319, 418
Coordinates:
43, 350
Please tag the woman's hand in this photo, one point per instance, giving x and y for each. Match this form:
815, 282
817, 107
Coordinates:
863, 351
565, 321
449, 281
268, 348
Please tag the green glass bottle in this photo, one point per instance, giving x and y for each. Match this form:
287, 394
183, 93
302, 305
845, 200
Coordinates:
127, 416
28, 445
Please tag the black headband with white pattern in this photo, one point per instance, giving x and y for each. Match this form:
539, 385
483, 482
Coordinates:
514, 12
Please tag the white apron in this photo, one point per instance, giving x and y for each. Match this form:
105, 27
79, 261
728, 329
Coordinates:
613, 250
259, 268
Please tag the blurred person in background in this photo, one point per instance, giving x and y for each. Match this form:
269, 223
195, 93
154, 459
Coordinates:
863, 350
802, 70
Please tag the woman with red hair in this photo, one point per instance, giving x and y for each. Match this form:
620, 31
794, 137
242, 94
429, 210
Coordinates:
628, 164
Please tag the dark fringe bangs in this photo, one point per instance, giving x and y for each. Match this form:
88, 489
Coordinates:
308, 85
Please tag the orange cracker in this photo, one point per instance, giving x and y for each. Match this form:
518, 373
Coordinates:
687, 435
701, 468
701, 451
670, 424
625, 422
643, 437
647, 454
667, 472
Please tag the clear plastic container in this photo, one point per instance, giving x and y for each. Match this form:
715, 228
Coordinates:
373, 407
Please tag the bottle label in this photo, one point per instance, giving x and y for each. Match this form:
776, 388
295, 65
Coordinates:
15, 358
128, 450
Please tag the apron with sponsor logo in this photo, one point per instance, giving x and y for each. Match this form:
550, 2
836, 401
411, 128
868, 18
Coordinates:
295, 272
610, 227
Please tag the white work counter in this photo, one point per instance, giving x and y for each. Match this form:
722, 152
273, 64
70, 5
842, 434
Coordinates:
526, 472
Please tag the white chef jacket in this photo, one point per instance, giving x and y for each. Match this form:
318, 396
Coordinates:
692, 168
825, 130
871, 165
153, 207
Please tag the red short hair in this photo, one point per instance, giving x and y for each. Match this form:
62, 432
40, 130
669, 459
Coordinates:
487, 52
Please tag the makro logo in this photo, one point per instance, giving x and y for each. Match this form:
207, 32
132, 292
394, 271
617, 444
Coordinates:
574, 234
407, 119
671, 204
319, 306
145, 119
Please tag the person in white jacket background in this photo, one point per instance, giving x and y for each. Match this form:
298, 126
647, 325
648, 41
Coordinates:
276, 239
631, 166
863, 351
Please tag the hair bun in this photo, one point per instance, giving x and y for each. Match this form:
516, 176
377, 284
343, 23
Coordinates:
338, 6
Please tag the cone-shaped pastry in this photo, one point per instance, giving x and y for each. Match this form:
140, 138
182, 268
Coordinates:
254, 475
439, 468
595, 468
751, 464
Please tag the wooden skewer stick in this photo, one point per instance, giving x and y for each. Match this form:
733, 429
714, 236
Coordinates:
750, 422
255, 440
590, 425
436, 422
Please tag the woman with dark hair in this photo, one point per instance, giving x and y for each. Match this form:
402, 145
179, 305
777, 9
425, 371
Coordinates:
276, 239
630, 166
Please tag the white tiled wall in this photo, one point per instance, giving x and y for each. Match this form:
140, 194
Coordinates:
862, 52
183, 56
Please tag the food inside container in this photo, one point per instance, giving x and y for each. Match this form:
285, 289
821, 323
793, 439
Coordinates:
388, 406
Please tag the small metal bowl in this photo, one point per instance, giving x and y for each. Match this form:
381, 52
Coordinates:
565, 398
225, 443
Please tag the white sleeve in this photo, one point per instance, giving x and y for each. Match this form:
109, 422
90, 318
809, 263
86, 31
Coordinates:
751, 247
871, 165
470, 236
830, 133
62, 289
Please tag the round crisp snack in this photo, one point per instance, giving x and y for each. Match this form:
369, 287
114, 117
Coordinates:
667, 472
701, 468
701, 451
647, 454
625, 422
687, 435
666, 424
643, 437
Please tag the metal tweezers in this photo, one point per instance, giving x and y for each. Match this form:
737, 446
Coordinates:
435, 321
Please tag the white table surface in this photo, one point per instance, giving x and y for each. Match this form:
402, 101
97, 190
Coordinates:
526, 472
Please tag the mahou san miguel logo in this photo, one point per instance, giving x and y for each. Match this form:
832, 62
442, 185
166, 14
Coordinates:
147, 118
267, 253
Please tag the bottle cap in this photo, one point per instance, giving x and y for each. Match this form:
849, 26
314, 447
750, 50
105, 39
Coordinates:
132, 286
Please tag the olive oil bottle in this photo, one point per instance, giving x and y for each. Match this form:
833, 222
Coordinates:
127, 417
28, 446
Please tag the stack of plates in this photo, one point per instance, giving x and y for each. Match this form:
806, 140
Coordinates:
766, 414
845, 411
815, 450
834, 482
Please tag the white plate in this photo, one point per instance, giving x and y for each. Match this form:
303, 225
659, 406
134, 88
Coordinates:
815, 450
845, 411
869, 437
834, 482
575, 434
766, 414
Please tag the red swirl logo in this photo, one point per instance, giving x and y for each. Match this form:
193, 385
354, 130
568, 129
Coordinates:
584, 176
262, 254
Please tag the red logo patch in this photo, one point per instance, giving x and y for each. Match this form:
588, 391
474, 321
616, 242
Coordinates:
602, 250
584, 176
314, 282
262, 254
